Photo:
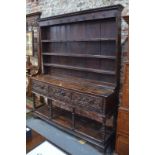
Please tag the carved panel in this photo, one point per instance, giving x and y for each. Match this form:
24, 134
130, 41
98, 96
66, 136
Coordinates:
59, 94
87, 101
80, 100
39, 87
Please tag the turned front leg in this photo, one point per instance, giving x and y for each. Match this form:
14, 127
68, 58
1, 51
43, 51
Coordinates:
103, 129
34, 101
51, 108
73, 118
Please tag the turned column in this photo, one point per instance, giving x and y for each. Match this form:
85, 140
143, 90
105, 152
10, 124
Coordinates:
51, 108
34, 101
103, 129
73, 118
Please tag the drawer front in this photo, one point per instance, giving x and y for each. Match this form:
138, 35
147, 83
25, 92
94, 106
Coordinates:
60, 94
40, 87
123, 121
87, 102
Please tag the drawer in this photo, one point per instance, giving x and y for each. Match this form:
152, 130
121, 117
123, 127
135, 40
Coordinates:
62, 105
87, 102
40, 87
59, 94
122, 145
89, 114
123, 121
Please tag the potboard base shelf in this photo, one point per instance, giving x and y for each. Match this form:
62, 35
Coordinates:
89, 132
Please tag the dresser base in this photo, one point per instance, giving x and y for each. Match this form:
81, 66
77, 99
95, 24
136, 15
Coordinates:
83, 128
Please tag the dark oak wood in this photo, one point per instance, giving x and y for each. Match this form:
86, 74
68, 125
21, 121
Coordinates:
81, 55
81, 40
80, 62
80, 68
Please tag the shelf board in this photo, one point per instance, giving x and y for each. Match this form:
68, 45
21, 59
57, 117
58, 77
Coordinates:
80, 68
81, 55
82, 40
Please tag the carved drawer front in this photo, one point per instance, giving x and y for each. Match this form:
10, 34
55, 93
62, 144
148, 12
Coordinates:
40, 87
59, 94
88, 102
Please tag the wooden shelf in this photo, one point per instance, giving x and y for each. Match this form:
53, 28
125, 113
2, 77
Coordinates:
80, 68
82, 40
80, 55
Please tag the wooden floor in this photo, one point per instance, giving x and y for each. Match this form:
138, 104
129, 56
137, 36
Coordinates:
34, 141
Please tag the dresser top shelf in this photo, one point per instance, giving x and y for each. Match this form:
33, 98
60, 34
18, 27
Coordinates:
99, 71
81, 51
82, 40
80, 55
78, 84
